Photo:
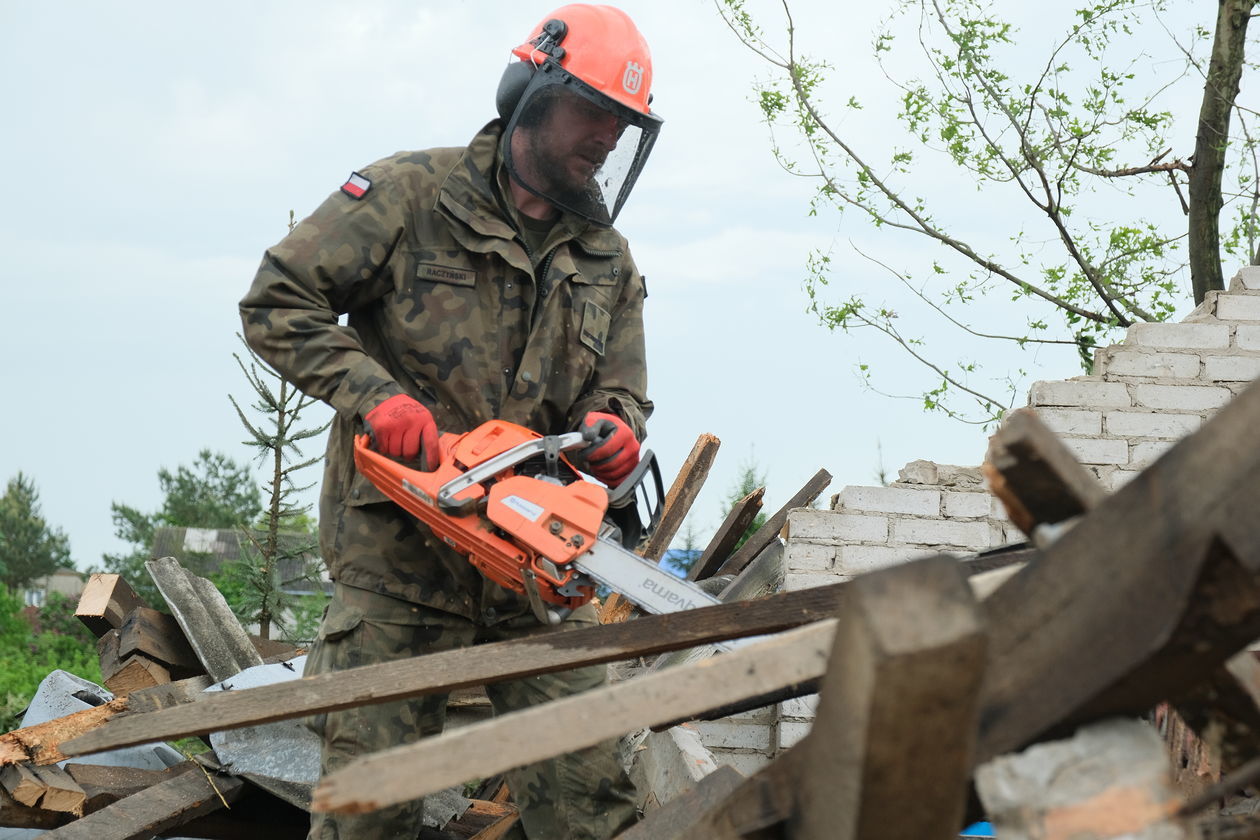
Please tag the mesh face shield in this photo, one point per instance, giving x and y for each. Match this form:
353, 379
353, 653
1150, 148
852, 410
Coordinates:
575, 147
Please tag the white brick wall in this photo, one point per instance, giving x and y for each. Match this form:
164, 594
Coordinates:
1247, 338
1160, 384
1238, 308
1114, 362
1088, 393
1178, 336
890, 500
1180, 397
941, 532
1247, 279
824, 526
1098, 451
1231, 368
1066, 421
1131, 424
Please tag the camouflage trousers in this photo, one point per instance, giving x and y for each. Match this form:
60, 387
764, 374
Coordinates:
584, 795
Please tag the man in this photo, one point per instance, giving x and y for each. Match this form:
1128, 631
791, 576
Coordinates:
480, 282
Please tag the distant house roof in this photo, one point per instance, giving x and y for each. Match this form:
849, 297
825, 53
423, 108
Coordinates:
206, 550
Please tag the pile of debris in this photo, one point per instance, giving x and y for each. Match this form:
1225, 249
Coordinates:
937, 680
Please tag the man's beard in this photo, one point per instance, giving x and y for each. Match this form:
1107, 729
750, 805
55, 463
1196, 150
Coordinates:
552, 173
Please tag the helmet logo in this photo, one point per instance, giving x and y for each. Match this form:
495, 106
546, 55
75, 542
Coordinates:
632, 79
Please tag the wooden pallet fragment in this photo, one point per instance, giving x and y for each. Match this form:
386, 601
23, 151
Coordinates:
443, 672
769, 531
737, 520
432, 764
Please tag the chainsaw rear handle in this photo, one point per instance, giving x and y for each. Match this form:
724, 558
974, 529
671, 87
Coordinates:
623, 507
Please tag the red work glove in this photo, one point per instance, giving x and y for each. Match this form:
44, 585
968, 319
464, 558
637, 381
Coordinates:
403, 428
613, 451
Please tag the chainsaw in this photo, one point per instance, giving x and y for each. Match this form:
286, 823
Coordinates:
509, 500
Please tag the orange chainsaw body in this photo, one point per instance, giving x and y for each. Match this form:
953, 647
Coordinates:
509, 526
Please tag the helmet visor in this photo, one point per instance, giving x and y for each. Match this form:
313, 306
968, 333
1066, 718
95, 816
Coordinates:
575, 147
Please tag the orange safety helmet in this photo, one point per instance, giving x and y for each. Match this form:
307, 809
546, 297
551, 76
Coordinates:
602, 47
598, 54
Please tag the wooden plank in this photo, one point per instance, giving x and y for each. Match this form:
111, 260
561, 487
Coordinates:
103, 784
41, 743
1180, 547
159, 637
444, 672
769, 531
20, 781
154, 810
105, 603
902, 690
122, 675
61, 792
209, 625
737, 520
16, 815
1036, 477
682, 494
677, 818
170, 694
137, 672
413, 770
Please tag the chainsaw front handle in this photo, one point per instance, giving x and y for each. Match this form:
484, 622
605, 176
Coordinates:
488, 469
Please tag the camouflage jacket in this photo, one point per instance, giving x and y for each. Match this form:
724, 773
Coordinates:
445, 304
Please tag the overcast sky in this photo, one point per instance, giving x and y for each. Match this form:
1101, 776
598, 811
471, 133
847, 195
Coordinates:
155, 149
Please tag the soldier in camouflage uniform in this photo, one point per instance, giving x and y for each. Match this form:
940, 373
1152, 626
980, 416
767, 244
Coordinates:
480, 282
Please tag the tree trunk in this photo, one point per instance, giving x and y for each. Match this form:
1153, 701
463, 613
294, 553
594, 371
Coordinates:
1211, 141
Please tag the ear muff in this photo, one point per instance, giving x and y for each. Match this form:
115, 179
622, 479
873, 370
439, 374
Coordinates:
512, 86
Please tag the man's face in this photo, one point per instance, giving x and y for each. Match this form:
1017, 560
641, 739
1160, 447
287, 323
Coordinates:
571, 144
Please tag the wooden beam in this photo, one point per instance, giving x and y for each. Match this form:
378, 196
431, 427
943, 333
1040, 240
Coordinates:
61, 792
429, 765
1036, 477
740, 516
769, 532
105, 603
1180, 548
20, 781
902, 690
124, 674
170, 694
443, 672
41, 743
159, 637
682, 494
154, 810
13, 814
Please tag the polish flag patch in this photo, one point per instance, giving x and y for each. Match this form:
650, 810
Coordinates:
357, 186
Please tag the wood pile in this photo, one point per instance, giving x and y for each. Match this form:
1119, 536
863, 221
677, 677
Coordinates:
943, 694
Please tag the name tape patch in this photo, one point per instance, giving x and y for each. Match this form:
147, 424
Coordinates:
446, 274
